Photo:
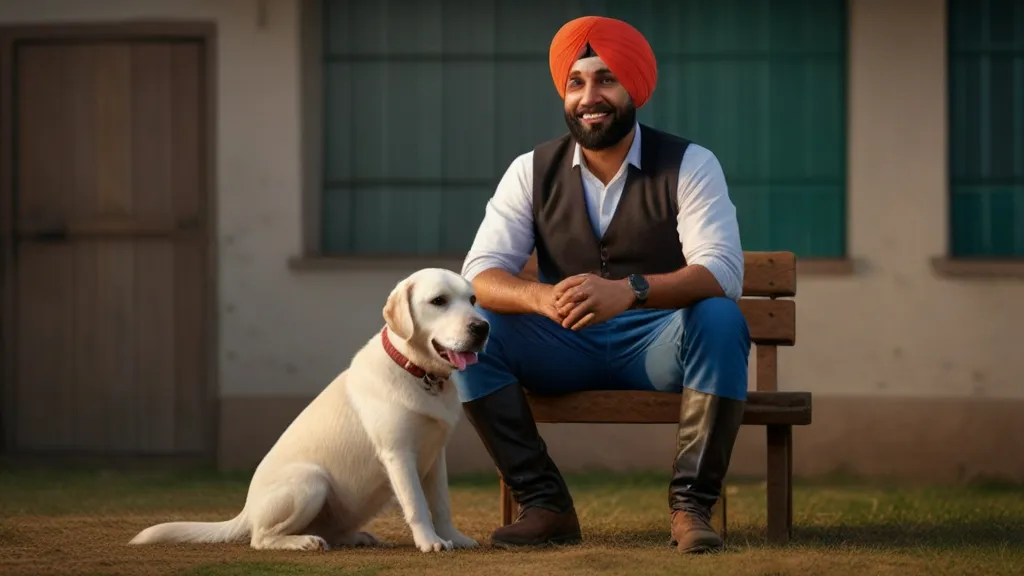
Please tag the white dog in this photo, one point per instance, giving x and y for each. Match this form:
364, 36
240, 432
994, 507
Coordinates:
377, 432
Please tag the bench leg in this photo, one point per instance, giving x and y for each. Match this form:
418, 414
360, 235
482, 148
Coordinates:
718, 515
780, 483
507, 503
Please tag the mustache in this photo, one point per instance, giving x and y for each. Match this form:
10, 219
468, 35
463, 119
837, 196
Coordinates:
595, 109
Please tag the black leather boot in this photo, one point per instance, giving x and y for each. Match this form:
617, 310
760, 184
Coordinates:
708, 426
507, 429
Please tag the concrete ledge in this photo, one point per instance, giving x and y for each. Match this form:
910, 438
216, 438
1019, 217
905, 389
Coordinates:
1010, 268
915, 439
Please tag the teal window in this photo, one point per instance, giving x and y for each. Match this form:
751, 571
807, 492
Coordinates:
986, 128
427, 103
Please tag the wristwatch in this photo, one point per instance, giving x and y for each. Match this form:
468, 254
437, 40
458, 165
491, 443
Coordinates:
640, 287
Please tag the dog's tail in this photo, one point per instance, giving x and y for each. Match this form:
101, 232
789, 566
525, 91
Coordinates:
202, 532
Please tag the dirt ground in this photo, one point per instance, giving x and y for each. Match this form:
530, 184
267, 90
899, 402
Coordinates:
79, 523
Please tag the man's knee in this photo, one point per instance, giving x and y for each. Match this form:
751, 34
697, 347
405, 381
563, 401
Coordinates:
717, 324
716, 349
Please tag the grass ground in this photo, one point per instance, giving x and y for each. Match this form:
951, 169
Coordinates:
77, 522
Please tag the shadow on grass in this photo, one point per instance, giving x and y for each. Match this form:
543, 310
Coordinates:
954, 536
941, 536
951, 536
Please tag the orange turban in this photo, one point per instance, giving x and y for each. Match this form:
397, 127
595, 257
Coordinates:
622, 47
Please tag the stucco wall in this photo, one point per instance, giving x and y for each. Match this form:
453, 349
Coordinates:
891, 329
896, 328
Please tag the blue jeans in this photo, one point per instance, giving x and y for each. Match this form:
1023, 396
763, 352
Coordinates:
704, 347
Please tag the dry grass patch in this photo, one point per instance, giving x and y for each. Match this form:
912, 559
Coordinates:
77, 522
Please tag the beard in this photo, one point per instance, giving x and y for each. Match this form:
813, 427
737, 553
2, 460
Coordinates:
598, 137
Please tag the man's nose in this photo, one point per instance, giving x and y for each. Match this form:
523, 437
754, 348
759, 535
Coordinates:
591, 95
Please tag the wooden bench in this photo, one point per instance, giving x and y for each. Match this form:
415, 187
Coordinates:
769, 283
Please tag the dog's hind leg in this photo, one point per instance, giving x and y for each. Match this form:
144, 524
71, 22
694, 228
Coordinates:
340, 530
288, 507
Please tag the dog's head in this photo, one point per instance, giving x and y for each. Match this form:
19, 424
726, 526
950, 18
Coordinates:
434, 312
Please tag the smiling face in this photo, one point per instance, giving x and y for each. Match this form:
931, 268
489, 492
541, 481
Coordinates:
598, 110
434, 311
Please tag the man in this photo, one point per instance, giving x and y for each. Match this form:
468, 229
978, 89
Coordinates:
640, 267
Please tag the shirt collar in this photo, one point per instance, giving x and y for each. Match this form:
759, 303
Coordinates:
632, 157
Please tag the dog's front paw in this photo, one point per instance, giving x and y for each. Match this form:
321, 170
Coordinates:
430, 542
314, 543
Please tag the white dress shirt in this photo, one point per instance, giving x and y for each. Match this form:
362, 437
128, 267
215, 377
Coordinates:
707, 225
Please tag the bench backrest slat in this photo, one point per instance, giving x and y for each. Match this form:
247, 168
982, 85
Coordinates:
768, 279
769, 274
770, 321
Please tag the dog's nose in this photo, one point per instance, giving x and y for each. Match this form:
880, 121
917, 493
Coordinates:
479, 328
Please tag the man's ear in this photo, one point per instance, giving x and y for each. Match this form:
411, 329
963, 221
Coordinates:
398, 312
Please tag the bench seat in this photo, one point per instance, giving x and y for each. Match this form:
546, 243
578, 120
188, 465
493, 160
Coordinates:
641, 407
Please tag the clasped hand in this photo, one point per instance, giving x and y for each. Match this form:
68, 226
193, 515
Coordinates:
586, 299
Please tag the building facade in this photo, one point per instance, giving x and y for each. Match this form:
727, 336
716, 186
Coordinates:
210, 201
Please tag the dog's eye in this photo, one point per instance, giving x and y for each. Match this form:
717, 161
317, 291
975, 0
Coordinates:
472, 300
439, 301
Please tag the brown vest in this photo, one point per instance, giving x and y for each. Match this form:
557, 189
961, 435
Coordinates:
642, 237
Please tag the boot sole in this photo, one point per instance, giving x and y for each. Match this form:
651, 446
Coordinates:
699, 547
702, 549
551, 542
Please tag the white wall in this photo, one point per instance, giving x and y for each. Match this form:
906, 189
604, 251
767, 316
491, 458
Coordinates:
894, 328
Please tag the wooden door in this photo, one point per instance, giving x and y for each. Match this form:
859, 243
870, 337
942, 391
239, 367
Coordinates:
109, 248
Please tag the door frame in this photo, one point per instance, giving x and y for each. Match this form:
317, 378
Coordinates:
10, 35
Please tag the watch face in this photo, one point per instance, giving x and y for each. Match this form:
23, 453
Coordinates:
638, 282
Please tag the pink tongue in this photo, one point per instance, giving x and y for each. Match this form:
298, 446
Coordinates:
462, 359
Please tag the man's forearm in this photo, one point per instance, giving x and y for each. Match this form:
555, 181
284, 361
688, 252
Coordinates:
682, 288
505, 293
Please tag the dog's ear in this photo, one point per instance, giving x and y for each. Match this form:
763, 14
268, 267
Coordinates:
398, 311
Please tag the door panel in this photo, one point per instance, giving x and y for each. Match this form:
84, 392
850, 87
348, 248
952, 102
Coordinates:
110, 248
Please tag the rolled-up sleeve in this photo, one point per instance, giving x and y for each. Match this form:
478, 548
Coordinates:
505, 237
707, 222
